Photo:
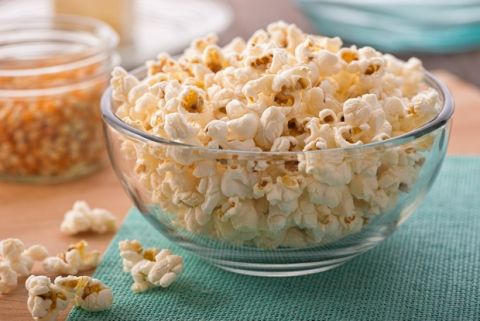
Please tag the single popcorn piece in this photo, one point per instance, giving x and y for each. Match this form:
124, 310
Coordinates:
294, 108
95, 296
45, 300
81, 218
19, 259
178, 128
271, 126
76, 259
36, 252
241, 214
243, 127
285, 193
151, 267
8, 278
86, 292
284, 144
133, 252
356, 111
166, 269
425, 104
235, 182
139, 274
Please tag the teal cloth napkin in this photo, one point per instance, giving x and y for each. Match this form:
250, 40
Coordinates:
428, 270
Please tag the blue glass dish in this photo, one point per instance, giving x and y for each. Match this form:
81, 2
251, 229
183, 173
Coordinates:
399, 26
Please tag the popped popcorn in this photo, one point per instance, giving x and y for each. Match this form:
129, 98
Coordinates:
81, 218
19, 259
149, 268
139, 274
133, 252
45, 300
76, 259
285, 92
8, 278
166, 269
86, 292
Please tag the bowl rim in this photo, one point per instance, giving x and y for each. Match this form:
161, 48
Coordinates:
440, 120
81, 84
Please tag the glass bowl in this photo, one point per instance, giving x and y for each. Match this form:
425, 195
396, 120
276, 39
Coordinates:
277, 213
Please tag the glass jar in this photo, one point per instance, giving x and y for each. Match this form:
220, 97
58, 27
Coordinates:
53, 71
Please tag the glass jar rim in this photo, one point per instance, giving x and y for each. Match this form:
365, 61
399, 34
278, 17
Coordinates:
106, 36
62, 89
112, 120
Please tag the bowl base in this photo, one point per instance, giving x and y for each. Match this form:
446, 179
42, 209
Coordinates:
282, 270
279, 273
282, 262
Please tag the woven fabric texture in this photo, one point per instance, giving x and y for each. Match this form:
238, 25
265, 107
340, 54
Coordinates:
427, 270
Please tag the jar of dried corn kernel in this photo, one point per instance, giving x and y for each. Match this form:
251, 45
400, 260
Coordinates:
53, 71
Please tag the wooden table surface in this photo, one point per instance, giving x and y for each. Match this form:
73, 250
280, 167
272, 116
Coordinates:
34, 213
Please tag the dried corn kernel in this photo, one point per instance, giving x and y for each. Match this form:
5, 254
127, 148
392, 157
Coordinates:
50, 124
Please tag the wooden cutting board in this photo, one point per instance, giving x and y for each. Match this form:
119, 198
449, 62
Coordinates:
34, 213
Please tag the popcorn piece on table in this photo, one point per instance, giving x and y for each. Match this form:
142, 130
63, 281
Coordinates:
45, 300
166, 269
133, 252
160, 270
88, 293
81, 218
76, 259
8, 278
139, 274
21, 260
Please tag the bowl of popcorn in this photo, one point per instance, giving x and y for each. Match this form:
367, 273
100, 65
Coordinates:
285, 154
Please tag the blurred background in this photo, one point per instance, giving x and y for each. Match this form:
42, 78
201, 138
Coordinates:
371, 23
445, 34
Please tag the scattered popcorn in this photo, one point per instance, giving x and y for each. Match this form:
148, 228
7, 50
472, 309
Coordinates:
45, 300
76, 259
8, 278
81, 218
281, 91
19, 259
149, 268
88, 293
